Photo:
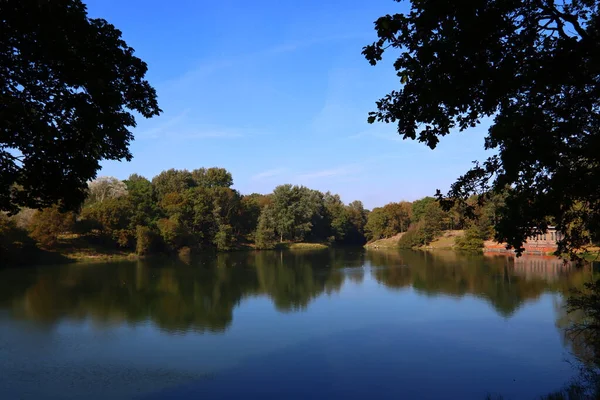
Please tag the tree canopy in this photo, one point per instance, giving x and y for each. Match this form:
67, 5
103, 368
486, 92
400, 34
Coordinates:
67, 85
531, 65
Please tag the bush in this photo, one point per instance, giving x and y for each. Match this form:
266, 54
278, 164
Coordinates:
413, 237
48, 223
16, 247
224, 237
147, 240
185, 254
173, 233
111, 217
472, 240
417, 235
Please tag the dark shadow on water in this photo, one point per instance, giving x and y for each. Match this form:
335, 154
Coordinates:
371, 363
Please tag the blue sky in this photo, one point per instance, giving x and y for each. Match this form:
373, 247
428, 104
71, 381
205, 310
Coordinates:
276, 92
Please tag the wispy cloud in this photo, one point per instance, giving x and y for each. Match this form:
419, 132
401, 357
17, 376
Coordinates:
180, 127
268, 174
210, 66
348, 172
209, 134
302, 43
167, 125
392, 136
330, 173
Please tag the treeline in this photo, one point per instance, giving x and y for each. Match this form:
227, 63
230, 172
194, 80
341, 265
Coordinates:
184, 211
181, 211
423, 220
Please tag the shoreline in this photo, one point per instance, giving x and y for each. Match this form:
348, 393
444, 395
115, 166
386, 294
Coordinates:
88, 255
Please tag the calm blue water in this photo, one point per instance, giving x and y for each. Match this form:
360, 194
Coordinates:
286, 325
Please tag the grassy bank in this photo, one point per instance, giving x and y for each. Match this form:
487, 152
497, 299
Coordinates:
445, 242
301, 246
387, 243
78, 248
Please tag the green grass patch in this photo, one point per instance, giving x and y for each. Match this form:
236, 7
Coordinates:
301, 246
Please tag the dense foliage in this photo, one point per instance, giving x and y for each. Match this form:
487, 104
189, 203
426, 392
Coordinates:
532, 66
181, 211
67, 86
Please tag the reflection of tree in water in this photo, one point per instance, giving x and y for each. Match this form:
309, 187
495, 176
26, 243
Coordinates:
449, 273
578, 320
201, 294
577, 343
293, 280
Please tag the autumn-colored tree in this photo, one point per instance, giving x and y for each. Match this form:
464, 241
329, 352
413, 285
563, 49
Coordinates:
112, 218
47, 224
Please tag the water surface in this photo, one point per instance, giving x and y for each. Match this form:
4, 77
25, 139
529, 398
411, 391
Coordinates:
322, 324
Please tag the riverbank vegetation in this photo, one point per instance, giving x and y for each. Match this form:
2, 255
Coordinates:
181, 211
425, 224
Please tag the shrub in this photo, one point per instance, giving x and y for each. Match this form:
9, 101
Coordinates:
413, 237
111, 217
224, 237
16, 247
48, 223
472, 240
173, 233
147, 240
417, 235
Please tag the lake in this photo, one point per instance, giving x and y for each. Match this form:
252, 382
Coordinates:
288, 325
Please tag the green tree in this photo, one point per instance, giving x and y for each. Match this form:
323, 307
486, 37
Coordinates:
172, 181
377, 222
145, 210
212, 177
223, 239
68, 83
432, 220
47, 224
200, 216
293, 208
16, 246
357, 215
427, 227
265, 236
419, 207
112, 218
174, 233
338, 218
314, 223
472, 240
399, 217
147, 240
464, 61
249, 212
